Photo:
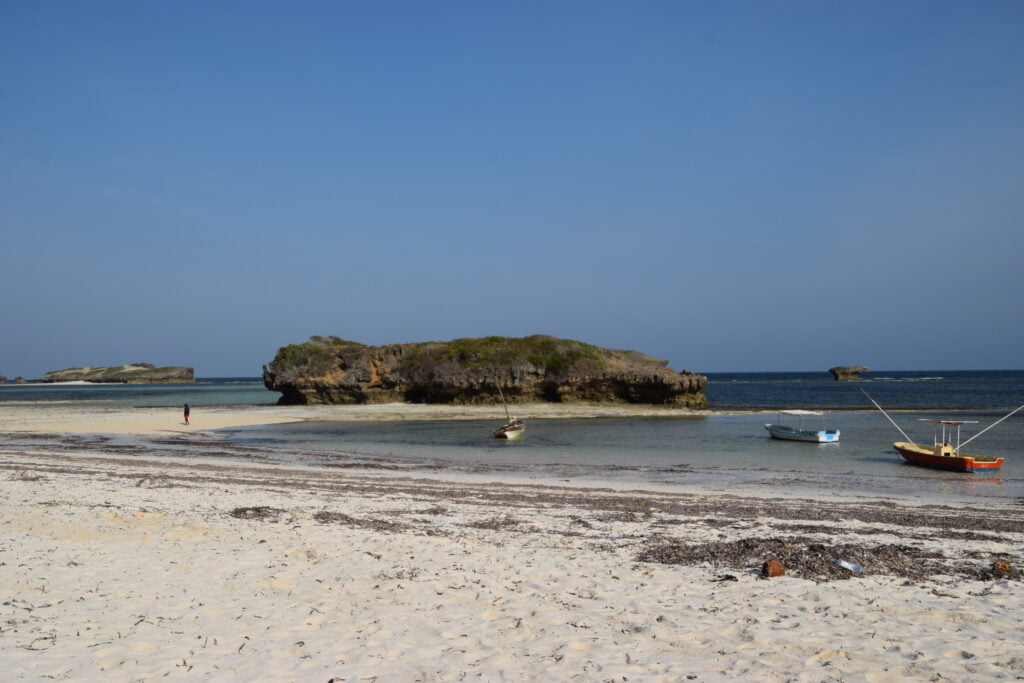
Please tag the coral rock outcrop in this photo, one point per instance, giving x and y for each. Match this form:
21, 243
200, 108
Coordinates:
133, 373
330, 370
847, 372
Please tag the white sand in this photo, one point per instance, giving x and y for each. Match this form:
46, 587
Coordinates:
129, 567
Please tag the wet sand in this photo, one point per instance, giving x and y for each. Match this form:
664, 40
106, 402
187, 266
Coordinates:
98, 419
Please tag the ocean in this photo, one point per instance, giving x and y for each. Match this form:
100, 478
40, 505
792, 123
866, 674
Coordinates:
210, 391
722, 453
927, 389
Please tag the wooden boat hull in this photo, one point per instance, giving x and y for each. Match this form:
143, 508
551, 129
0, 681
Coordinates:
925, 456
811, 435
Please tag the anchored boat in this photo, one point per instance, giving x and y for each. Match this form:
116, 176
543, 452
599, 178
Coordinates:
798, 433
513, 428
942, 454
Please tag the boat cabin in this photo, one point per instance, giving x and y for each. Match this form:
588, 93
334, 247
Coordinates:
943, 443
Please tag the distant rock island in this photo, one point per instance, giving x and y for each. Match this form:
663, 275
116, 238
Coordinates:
134, 373
847, 372
331, 370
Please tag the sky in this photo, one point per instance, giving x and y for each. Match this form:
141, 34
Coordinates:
732, 186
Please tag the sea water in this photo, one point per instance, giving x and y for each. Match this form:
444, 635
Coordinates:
928, 389
718, 452
721, 453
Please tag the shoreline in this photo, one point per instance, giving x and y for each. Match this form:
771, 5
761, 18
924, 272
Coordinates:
73, 417
122, 561
70, 417
223, 429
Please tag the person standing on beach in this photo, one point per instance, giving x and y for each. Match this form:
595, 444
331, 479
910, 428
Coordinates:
186, 413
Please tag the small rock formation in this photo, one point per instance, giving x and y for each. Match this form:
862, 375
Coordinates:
772, 568
330, 370
133, 373
20, 380
847, 372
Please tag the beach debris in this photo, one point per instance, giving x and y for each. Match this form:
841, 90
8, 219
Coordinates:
403, 574
1001, 569
807, 558
326, 517
153, 483
25, 475
262, 513
496, 523
852, 566
726, 577
772, 568
41, 643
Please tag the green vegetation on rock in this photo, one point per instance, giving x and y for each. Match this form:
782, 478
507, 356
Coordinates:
318, 356
550, 355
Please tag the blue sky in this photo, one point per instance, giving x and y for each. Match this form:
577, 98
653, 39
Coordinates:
732, 186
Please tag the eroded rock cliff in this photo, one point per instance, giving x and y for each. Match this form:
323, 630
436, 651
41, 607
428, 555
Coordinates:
328, 370
847, 372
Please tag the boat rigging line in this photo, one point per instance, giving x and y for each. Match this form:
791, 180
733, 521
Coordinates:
986, 428
894, 422
505, 405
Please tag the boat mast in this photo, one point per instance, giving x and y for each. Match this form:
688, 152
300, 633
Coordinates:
891, 420
990, 426
505, 405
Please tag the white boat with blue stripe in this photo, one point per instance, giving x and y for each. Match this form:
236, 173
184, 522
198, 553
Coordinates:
799, 433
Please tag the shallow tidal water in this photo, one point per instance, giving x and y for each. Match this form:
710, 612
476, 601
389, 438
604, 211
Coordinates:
724, 453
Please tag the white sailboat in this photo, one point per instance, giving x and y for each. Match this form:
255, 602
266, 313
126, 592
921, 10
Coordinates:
514, 428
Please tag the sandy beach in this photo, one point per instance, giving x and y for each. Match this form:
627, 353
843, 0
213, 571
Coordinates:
181, 557
72, 418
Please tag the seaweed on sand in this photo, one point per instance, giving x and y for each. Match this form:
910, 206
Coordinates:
324, 517
261, 513
496, 523
807, 558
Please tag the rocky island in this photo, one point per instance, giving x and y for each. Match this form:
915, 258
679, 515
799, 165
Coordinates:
133, 373
331, 370
847, 372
